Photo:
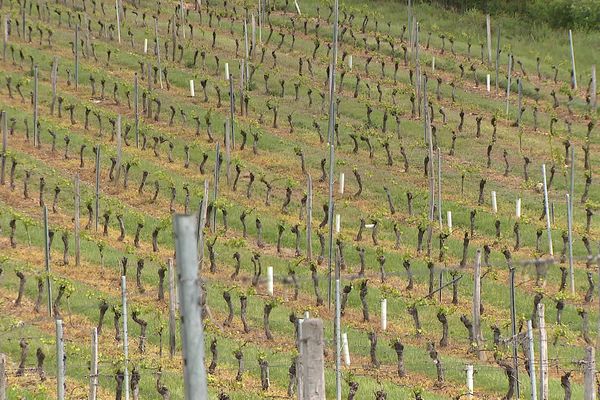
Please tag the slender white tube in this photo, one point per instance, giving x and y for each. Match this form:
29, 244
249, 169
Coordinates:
383, 314
192, 91
449, 219
518, 210
227, 71
342, 182
350, 62
469, 381
270, 280
487, 82
146, 46
433, 64
337, 223
345, 349
494, 202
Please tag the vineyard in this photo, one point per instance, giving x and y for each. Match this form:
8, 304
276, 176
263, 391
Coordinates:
438, 195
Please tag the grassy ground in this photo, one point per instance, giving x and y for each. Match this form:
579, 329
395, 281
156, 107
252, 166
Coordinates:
277, 162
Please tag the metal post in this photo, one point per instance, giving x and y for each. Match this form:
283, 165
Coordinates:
47, 259
36, 139
594, 94
508, 83
3, 117
77, 227
231, 111
172, 301
513, 320
60, 361
125, 335
3, 384
94, 366
118, 21
570, 243
574, 76
227, 149
547, 207
136, 110
532, 375
488, 30
5, 43
119, 152
213, 225
192, 334
97, 188
157, 53
498, 62
337, 329
76, 46
439, 162
331, 139
476, 306
544, 394
309, 208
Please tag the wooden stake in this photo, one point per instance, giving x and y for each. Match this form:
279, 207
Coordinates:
508, 82
589, 374
192, 334
498, 62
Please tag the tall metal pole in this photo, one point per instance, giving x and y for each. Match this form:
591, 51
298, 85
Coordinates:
35, 107
4, 117
76, 46
60, 361
136, 109
498, 62
570, 243
231, 111
97, 188
47, 259
331, 139
547, 207
118, 21
337, 328
77, 225
192, 334
125, 335
574, 76
513, 320
94, 366
532, 379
